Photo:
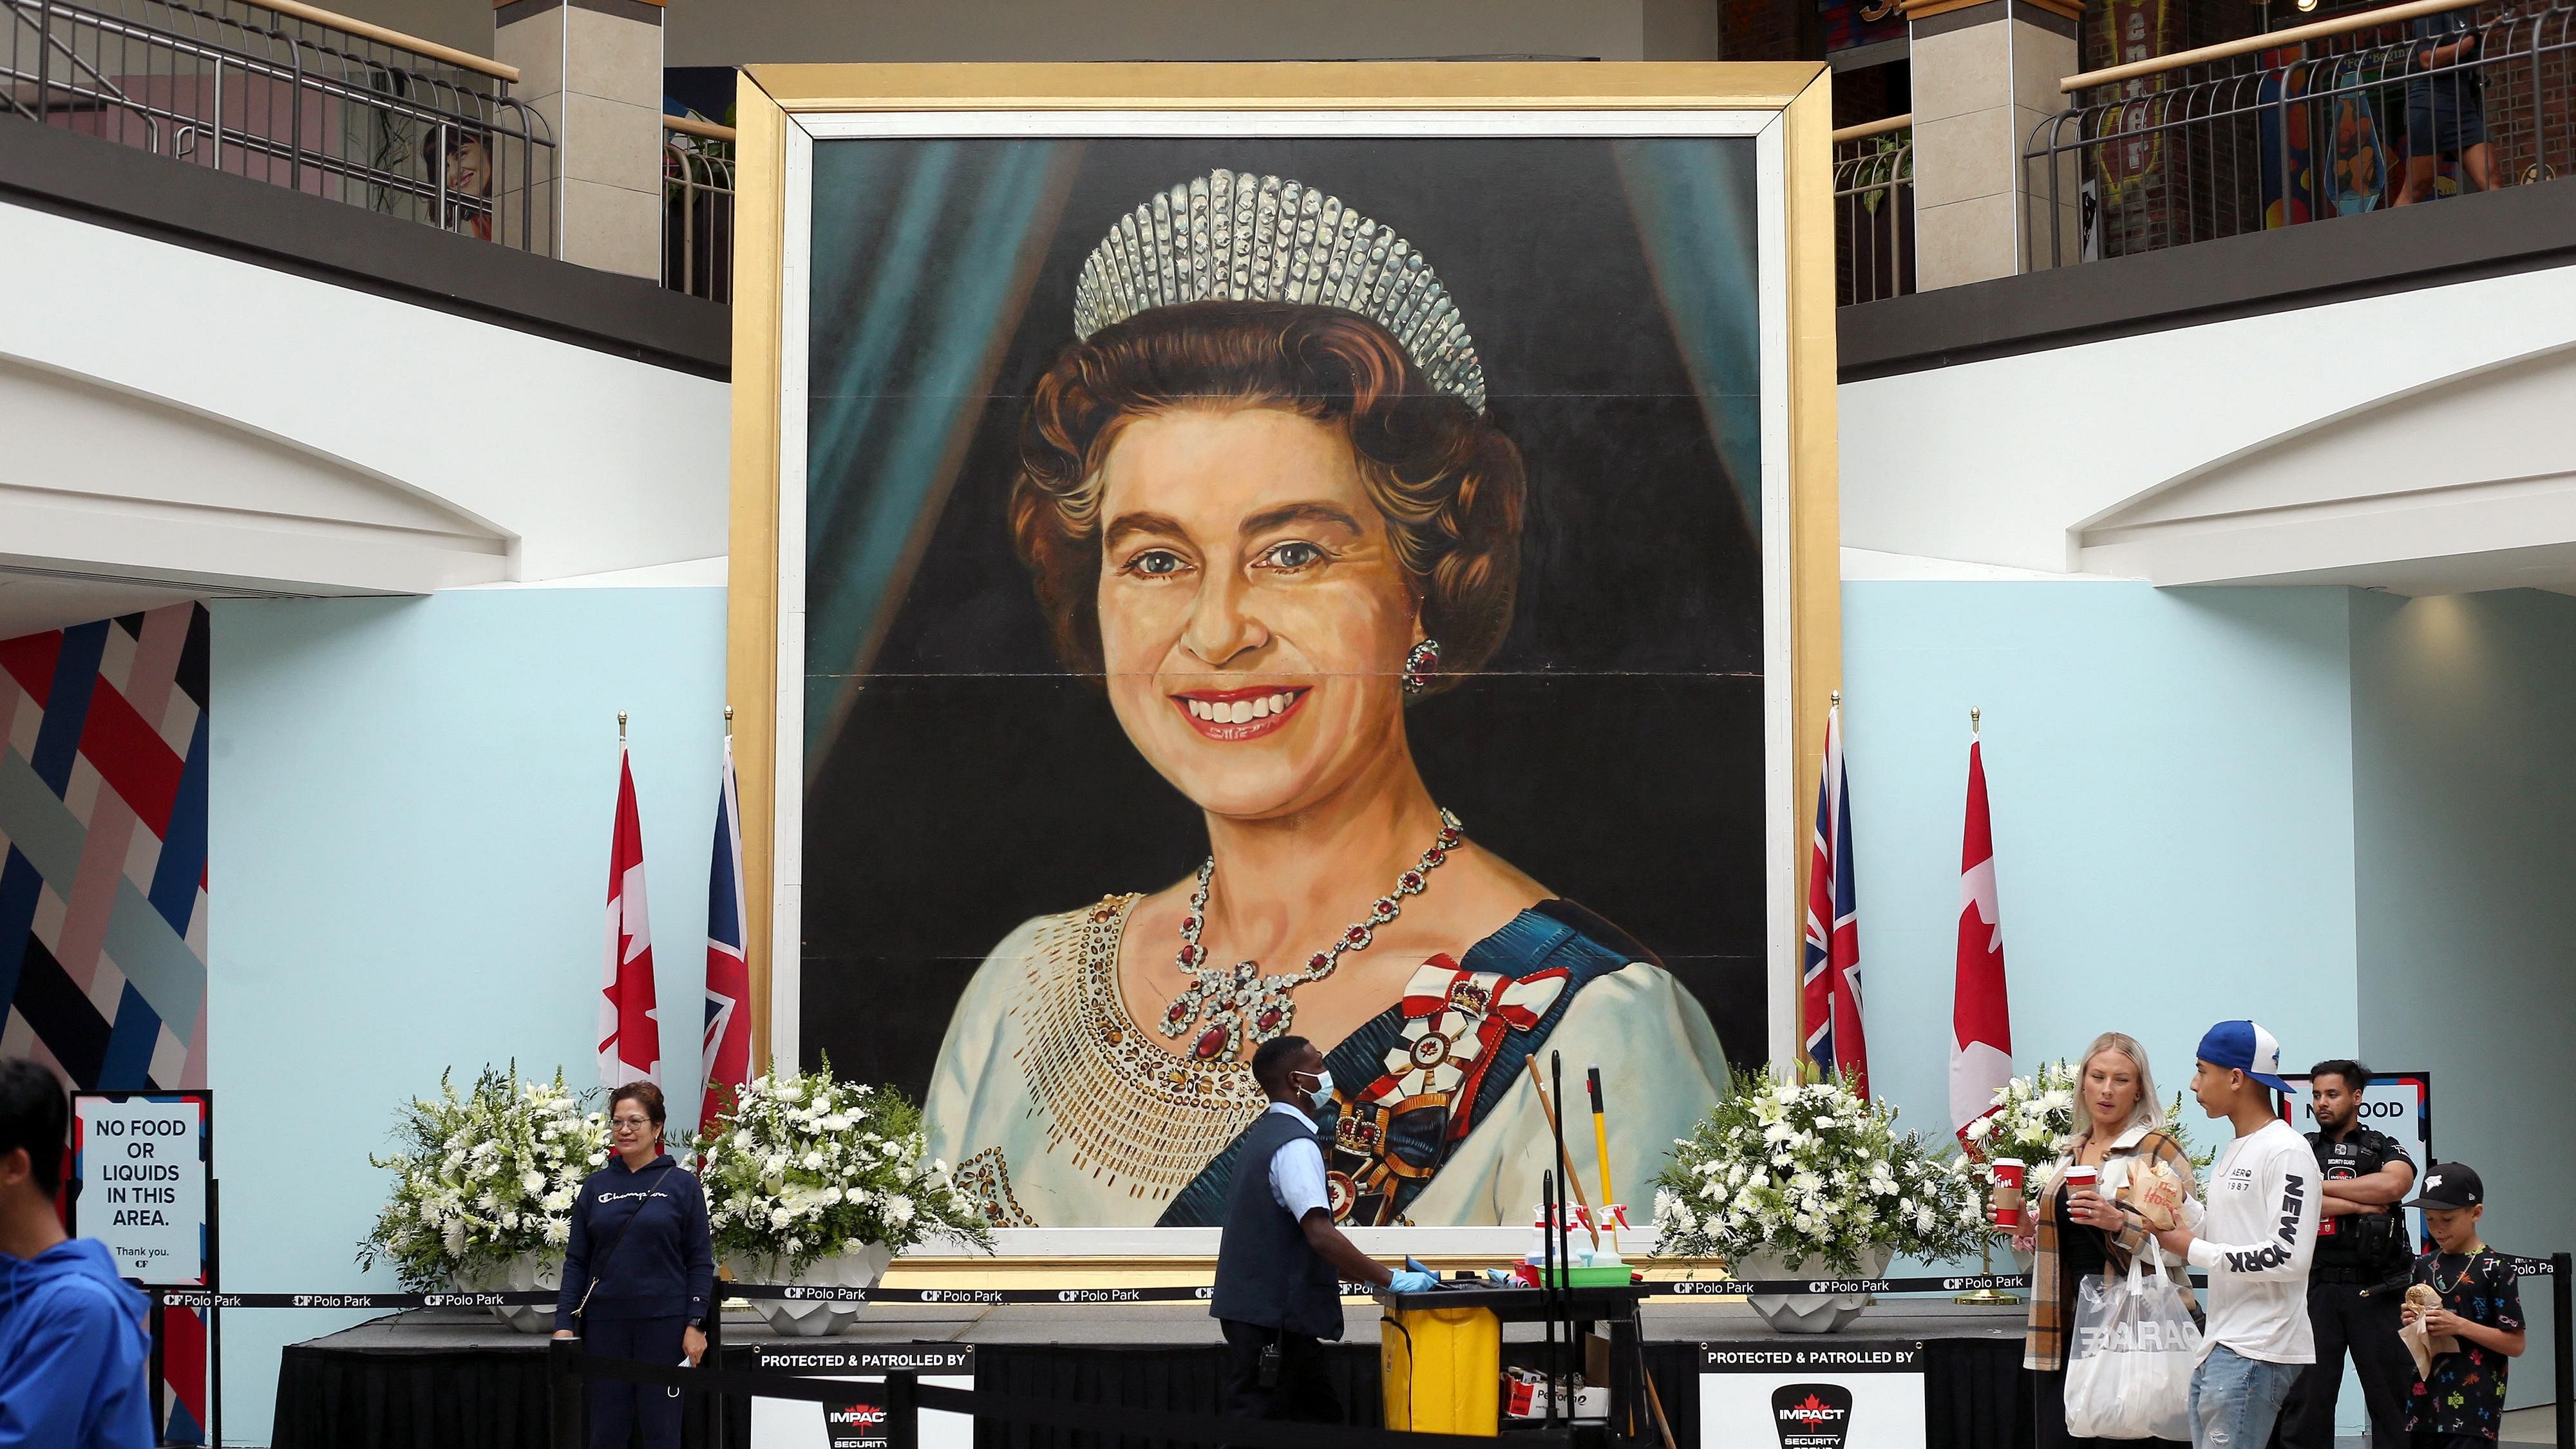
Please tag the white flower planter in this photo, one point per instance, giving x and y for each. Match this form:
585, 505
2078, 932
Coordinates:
523, 1274
802, 1318
1806, 1312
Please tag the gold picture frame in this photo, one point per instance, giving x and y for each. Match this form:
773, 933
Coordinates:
775, 100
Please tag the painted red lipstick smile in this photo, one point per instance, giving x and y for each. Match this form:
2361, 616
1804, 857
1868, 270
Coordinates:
1239, 714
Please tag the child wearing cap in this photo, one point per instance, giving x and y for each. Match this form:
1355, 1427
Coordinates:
2460, 1403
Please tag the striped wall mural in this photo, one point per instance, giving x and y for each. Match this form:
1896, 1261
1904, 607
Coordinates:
103, 820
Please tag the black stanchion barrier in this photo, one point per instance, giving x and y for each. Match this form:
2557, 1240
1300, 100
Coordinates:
2562, 1318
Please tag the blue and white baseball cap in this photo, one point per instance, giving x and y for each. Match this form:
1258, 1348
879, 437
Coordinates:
2247, 1047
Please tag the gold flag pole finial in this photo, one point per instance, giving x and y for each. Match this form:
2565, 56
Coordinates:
621, 726
1974, 715
1836, 698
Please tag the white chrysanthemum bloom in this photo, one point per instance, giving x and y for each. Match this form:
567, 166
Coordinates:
533, 1181
813, 1161
742, 1142
898, 1209
780, 1217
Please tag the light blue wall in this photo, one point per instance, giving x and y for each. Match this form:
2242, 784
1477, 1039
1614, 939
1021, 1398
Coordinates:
2170, 775
2464, 739
408, 865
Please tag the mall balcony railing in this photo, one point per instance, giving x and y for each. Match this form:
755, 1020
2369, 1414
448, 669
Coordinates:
1874, 210
697, 208
296, 96
2384, 107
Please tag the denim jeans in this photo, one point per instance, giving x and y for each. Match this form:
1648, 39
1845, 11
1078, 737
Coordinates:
2234, 1399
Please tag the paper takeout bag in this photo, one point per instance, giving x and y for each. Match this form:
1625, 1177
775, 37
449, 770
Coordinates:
2421, 1342
2158, 1193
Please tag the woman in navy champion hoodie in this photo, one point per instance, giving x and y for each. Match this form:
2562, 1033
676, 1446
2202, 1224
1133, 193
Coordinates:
639, 1274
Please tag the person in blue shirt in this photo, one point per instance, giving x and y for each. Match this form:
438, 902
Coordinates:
639, 1273
74, 1359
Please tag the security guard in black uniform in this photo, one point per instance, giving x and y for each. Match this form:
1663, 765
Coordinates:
2361, 1243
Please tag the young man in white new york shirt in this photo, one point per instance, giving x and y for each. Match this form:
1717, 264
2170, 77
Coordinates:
2255, 1240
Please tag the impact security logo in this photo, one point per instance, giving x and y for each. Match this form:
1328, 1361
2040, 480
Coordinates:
1811, 1416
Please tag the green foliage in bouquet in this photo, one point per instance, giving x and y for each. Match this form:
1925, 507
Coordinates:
484, 1177
1812, 1173
804, 1167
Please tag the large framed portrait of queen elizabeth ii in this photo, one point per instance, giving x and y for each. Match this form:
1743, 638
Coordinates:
1243, 552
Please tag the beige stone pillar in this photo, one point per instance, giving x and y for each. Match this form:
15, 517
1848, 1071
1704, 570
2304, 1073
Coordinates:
1985, 77
593, 69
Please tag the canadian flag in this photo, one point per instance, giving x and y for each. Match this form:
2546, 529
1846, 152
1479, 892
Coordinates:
1980, 1014
630, 1043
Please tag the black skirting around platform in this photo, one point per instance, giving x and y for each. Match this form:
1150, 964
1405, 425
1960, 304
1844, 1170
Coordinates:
1975, 1394
459, 1399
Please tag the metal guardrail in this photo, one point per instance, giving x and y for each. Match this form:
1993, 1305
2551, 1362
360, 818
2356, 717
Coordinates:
697, 208
282, 92
2379, 108
1874, 210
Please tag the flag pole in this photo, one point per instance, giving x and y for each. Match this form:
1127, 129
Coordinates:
621, 726
1974, 714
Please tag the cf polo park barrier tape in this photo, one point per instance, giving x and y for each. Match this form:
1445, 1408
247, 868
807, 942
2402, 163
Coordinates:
1694, 1288
911, 1297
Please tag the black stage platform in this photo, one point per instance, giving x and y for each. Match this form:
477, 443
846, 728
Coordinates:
457, 1379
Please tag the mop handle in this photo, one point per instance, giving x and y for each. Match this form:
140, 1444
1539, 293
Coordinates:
1538, 1084
1601, 1148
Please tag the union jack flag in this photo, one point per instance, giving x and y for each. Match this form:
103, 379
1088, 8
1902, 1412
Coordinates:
1831, 1010
727, 1048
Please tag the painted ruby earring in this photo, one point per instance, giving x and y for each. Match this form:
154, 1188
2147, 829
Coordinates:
1420, 664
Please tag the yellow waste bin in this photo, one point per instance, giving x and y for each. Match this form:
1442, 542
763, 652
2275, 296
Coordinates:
1441, 1369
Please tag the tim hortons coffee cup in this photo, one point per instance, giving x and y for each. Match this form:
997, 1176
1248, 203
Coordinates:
2008, 1174
2083, 1179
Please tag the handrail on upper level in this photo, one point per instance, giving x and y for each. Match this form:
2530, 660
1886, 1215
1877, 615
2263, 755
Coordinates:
448, 55
692, 126
2247, 45
1867, 129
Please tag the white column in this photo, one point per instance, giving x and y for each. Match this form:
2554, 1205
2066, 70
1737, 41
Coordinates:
1985, 77
593, 69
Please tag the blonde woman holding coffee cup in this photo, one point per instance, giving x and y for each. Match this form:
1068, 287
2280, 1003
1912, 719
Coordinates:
2097, 1203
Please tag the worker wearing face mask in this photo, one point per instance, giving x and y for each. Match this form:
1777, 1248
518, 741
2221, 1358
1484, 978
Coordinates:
1280, 1263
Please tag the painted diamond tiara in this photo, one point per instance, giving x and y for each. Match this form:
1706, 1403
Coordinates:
1233, 235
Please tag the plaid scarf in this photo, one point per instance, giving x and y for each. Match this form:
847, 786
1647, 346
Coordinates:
2052, 1290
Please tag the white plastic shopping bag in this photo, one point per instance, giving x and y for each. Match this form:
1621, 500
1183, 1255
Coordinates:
2129, 1361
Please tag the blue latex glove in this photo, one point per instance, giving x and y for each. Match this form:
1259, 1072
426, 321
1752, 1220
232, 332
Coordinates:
1408, 1280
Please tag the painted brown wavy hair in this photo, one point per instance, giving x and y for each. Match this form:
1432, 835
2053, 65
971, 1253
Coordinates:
1445, 478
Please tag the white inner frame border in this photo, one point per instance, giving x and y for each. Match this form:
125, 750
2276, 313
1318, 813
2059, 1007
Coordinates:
1781, 835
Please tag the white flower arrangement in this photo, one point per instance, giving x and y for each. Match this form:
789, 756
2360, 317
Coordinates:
1812, 1173
484, 1177
2035, 1121
804, 1167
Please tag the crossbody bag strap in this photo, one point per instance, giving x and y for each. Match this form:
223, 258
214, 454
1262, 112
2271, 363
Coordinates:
619, 1241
